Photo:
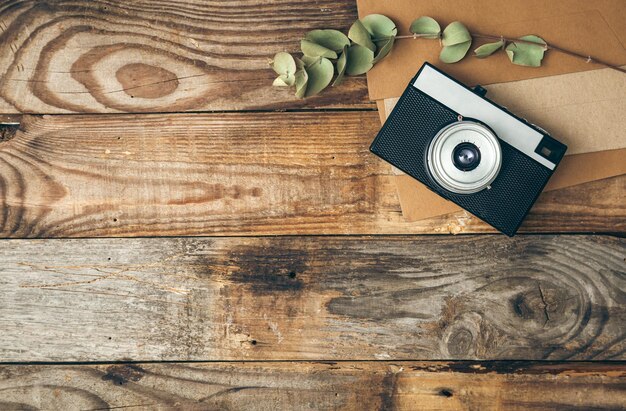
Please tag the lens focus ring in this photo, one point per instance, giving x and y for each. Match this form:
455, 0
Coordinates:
464, 157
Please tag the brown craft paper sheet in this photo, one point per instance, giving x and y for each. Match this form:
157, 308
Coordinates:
418, 202
596, 27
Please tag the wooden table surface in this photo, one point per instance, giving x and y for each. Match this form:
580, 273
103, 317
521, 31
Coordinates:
177, 234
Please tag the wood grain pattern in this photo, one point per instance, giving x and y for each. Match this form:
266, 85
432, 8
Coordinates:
255, 298
263, 298
234, 174
159, 56
321, 386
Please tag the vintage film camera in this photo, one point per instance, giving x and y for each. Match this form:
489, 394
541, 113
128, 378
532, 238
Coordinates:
468, 149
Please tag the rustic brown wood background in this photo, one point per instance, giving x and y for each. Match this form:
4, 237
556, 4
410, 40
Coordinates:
177, 234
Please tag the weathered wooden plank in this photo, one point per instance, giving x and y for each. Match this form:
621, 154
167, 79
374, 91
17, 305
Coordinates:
233, 174
226, 298
157, 56
321, 386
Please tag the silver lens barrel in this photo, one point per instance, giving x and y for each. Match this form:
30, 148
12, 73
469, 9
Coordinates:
441, 164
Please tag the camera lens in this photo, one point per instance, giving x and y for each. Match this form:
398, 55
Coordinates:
457, 165
466, 156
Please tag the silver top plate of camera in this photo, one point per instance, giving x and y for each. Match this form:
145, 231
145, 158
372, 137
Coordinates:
464, 157
468, 104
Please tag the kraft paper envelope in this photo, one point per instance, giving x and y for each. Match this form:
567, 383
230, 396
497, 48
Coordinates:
587, 27
418, 202
595, 27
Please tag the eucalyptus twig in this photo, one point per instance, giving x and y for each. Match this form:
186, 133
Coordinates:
588, 59
410, 36
507, 40
370, 39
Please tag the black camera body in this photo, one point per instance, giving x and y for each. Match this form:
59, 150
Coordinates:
468, 149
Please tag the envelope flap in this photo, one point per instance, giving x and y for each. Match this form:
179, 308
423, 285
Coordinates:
614, 12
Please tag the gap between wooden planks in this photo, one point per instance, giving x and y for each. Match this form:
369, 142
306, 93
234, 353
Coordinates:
234, 174
323, 386
313, 298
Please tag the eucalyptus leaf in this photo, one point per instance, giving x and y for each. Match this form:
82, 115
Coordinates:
488, 49
279, 82
524, 54
331, 39
341, 66
283, 63
379, 26
359, 35
320, 74
360, 60
452, 54
455, 33
299, 63
284, 80
315, 50
308, 60
289, 78
302, 78
384, 48
427, 27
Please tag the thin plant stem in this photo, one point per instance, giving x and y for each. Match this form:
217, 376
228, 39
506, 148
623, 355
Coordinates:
587, 59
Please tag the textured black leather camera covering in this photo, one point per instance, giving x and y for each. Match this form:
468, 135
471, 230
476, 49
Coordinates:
404, 139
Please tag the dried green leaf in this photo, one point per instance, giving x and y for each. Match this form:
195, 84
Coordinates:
279, 82
525, 54
455, 33
308, 60
452, 54
299, 63
427, 27
488, 49
302, 78
284, 80
320, 74
341, 66
379, 26
315, 50
283, 63
359, 35
383, 48
359, 60
331, 39
290, 79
